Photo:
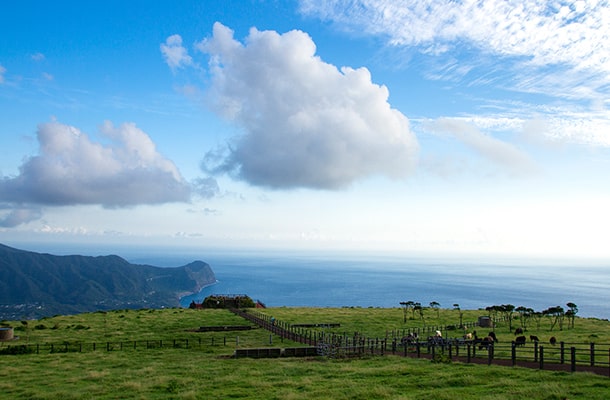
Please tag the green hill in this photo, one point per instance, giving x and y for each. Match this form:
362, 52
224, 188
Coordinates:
143, 354
34, 285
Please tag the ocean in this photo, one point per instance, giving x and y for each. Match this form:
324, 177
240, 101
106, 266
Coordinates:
294, 280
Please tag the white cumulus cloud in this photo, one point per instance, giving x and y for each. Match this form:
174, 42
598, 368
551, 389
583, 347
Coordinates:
305, 122
175, 55
72, 169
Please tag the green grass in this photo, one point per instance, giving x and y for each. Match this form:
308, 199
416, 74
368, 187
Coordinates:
207, 372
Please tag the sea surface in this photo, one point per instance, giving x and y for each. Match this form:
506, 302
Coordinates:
294, 280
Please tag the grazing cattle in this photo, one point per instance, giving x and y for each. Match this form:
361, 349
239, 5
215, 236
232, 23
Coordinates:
468, 336
411, 338
534, 338
553, 341
486, 342
519, 340
493, 336
518, 331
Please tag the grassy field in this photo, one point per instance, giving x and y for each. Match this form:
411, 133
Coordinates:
205, 370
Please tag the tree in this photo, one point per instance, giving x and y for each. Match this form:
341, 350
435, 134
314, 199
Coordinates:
420, 309
537, 315
493, 312
436, 305
457, 307
507, 310
571, 313
524, 314
407, 306
556, 314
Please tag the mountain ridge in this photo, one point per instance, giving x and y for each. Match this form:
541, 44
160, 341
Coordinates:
35, 285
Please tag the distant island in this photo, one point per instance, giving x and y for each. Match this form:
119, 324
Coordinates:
35, 285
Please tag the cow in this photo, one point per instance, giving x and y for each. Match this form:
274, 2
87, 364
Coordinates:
553, 340
520, 341
486, 343
493, 336
518, 331
411, 338
534, 338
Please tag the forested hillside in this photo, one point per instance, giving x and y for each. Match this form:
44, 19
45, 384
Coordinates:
37, 285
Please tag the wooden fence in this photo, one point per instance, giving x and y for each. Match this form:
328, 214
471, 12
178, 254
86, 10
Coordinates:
590, 357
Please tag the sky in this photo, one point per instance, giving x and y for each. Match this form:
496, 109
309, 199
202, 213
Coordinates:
412, 127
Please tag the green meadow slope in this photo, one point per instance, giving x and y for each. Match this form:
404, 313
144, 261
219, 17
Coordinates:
141, 354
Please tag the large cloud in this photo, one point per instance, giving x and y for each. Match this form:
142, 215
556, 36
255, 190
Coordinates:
305, 122
71, 169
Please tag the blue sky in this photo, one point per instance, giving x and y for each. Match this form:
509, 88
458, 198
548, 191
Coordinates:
434, 127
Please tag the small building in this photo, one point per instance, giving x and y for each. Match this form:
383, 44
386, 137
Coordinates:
485, 322
6, 334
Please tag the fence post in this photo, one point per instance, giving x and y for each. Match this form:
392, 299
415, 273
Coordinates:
513, 353
490, 353
562, 356
592, 352
541, 357
573, 359
535, 351
468, 350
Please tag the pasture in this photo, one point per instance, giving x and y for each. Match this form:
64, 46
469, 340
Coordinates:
205, 369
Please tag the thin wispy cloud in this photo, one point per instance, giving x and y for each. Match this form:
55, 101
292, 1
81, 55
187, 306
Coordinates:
565, 32
38, 57
2, 72
305, 123
502, 154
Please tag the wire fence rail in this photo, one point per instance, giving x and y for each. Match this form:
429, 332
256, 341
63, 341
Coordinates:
133, 345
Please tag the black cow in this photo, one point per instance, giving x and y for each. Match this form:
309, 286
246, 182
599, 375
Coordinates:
493, 336
553, 341
519, 340
486, 343
518, 331
534, 338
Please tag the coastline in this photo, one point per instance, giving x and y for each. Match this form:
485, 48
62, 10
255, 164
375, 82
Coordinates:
182, 295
